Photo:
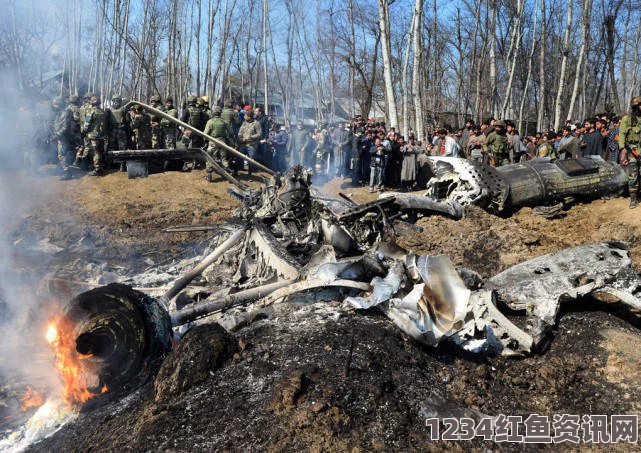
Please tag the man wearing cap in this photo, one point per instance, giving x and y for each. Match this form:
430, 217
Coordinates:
249, 137
629, 146
217, 128
157, 140
95, 129
119, 124
169, 127
141, 126
61, 136
496, 145
230, 116
297, 144
546, 148
279, 140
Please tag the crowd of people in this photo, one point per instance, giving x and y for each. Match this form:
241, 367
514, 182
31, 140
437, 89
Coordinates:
364, 151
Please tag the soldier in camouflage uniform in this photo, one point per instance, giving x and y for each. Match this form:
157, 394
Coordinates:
629, 146
193, 116
169, 127
203, 104
496, 145
95, 129
546, 148
86, 105
141, 126
157, 140
219, 129
119, 124
230, 116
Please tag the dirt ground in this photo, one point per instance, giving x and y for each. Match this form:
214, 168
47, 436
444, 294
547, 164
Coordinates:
285, 382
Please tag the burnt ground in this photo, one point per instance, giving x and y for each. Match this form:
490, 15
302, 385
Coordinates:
285, 382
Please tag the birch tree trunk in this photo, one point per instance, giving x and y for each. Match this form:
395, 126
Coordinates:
404, 81
515, 46
528, 78
586, 16
493, 89
564, 61
542, 88
383, 20
417, 64
265, 81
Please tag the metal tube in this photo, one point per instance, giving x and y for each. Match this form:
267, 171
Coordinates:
208, 307
183, 281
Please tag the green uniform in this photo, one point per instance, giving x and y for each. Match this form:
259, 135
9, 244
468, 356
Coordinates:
218, 128
630, 137
95, 130
497, 144
157, 139
141, 125
169, 128
119, 128
546, 149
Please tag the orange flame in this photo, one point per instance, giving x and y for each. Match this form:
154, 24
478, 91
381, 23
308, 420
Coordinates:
32, 398
60, 335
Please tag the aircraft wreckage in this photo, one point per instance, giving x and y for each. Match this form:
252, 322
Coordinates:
286, 240
533, 183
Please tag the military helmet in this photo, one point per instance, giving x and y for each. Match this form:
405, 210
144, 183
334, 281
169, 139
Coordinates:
116, 97
217, 111
88, 95
635, 101
73, 99
169, 99
499, 123
191, 98
94, 100
204, 100
228, 103
155, 98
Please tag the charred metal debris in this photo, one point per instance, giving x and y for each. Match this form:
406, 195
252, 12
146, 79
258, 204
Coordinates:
287, 241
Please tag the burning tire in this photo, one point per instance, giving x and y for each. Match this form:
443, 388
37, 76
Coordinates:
118, 336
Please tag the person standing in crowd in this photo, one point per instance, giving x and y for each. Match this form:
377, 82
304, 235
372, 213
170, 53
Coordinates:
169, 127
119, 124
297, 144
629, 146
141, 126
377, 165
263, 152
567, 145
217, 128
613, 139
61, 136
496, 145
157, 140
408, 170
230, 116
193, 116
591, 140
279, 141
513, 142
546, 148
249, 137
95, 129
355, 156
476, 144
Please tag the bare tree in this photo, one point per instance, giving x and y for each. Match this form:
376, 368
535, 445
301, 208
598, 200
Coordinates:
564, 61
384, 25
